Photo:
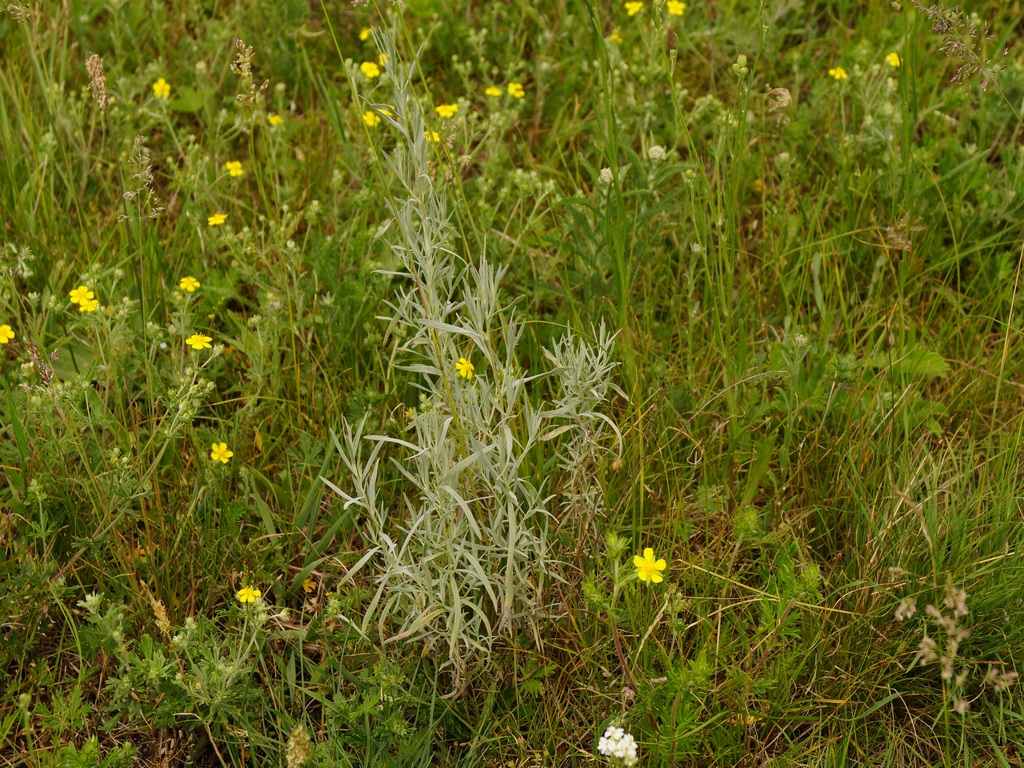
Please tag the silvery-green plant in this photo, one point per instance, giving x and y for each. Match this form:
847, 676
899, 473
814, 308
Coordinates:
468, 555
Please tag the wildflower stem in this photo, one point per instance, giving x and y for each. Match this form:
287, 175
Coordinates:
617, 582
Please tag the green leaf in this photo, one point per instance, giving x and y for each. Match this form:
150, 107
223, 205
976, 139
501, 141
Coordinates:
758, 468
917, 361
188, 100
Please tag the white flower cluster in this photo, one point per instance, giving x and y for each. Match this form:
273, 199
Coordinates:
619, 746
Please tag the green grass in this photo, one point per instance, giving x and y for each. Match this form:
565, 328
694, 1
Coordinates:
817, 390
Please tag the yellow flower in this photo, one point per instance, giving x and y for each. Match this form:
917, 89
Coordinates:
893, 59
648, 568
446, 110
6, 334
275, 120
675, 8
198, 341
465, 368
189, 284
221, 453
308, 586
233, 167
247, 595
634, 8
615, 37
80, 294
371, 118
369, 69
493, 91
162, 89
217, 219
838, 73
364, 34
433, 136
382, 59
516, 90
88, 305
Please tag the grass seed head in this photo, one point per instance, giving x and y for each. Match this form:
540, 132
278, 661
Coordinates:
97, 80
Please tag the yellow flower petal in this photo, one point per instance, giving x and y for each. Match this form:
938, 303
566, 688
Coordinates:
80, 294
199, 341
221, 453
465, 368
247, 595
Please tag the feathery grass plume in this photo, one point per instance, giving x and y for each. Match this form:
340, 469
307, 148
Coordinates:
140, 190
899, 236
25, 14
251, 99
163, 623
468, 558
42, 366
776, 103
299, 748
242, 65
97, 80
17, 260
961, 41
945, 647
